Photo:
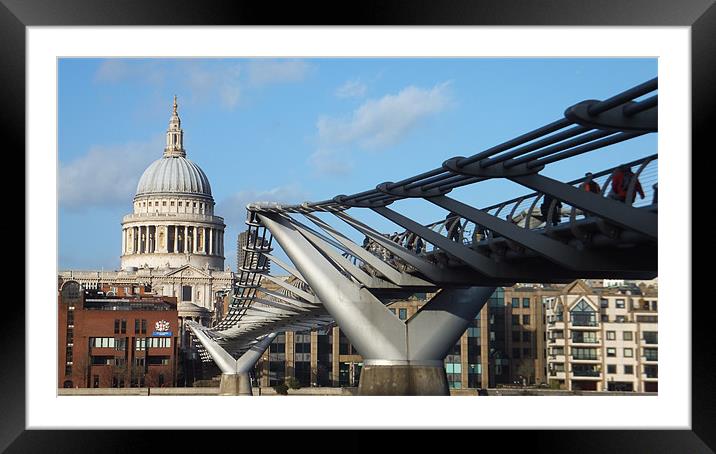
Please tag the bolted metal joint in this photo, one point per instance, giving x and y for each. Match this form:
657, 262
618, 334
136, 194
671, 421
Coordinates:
345, 200
401, 191
497, 170
619, 118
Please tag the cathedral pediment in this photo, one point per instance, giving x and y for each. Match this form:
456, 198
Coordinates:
188, 271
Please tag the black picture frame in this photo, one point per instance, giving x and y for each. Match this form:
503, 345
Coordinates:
699, 15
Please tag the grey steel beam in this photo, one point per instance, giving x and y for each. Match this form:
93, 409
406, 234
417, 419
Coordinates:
224, 361
337, 258
292, 301
429, 270
435, 328
612, 210
288, 268
375, 332
293, 289
247, 361
479, 262
369, 258
550, 248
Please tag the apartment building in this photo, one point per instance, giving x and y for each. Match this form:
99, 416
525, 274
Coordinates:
602, 339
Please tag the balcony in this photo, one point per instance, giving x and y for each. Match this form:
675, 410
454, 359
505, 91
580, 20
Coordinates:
586, 341
580, 358
586, 374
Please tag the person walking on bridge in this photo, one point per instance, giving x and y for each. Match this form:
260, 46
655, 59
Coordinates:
556, 213
452, 224
589, 184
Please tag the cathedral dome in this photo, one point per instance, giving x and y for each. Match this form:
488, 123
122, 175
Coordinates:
174, 174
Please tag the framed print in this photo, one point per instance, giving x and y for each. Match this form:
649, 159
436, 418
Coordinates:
253, 111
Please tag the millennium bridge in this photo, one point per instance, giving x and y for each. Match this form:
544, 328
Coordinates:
556, 232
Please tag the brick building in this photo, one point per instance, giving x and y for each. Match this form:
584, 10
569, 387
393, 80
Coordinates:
120, 339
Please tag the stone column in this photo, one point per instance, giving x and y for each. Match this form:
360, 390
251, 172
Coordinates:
211, 241
176, 239
195, 246
186, 239
124, 241
204, 248
146, 239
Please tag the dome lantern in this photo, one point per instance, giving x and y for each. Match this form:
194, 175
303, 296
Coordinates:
175, 135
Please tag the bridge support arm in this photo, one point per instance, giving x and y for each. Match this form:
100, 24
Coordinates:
612, 210
235, 380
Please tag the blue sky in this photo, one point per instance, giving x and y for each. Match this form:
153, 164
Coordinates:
295, 130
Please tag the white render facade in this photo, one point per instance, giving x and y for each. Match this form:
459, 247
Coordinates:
602, 340
172, 240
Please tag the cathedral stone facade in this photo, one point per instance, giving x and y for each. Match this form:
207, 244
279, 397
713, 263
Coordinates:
172, 240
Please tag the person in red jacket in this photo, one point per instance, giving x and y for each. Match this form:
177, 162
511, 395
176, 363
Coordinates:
621, 179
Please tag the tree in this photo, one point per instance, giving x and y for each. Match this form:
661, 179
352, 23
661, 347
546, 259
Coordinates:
524, 370
281, 389
293, 383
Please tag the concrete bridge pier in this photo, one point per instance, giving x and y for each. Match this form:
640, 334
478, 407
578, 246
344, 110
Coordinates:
400, 357
235, 385
235, 380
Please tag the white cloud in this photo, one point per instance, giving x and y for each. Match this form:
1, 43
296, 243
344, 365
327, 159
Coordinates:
106, 175
263, 72
351, 89
330, 162
385, 121
205, 83
116, 70
233, 208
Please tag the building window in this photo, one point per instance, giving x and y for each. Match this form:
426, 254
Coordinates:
611, 335
103, 342
140, 343
392, 309
651, 337
620, 304
604, 303
583, 315
144, 326
171, 203
621, 319
525, 319
159, 342
651, 354
605, 318
124, 327
525, 302
402, 313
611, 352
628, 335
611, 368
164, 203
116, 326
180, 203
584, 353
628, 370
136, 326
584, 337
515, 320
516, 336
515, 353
628, 353
515, 302
186, 292
527, 336
526, 353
